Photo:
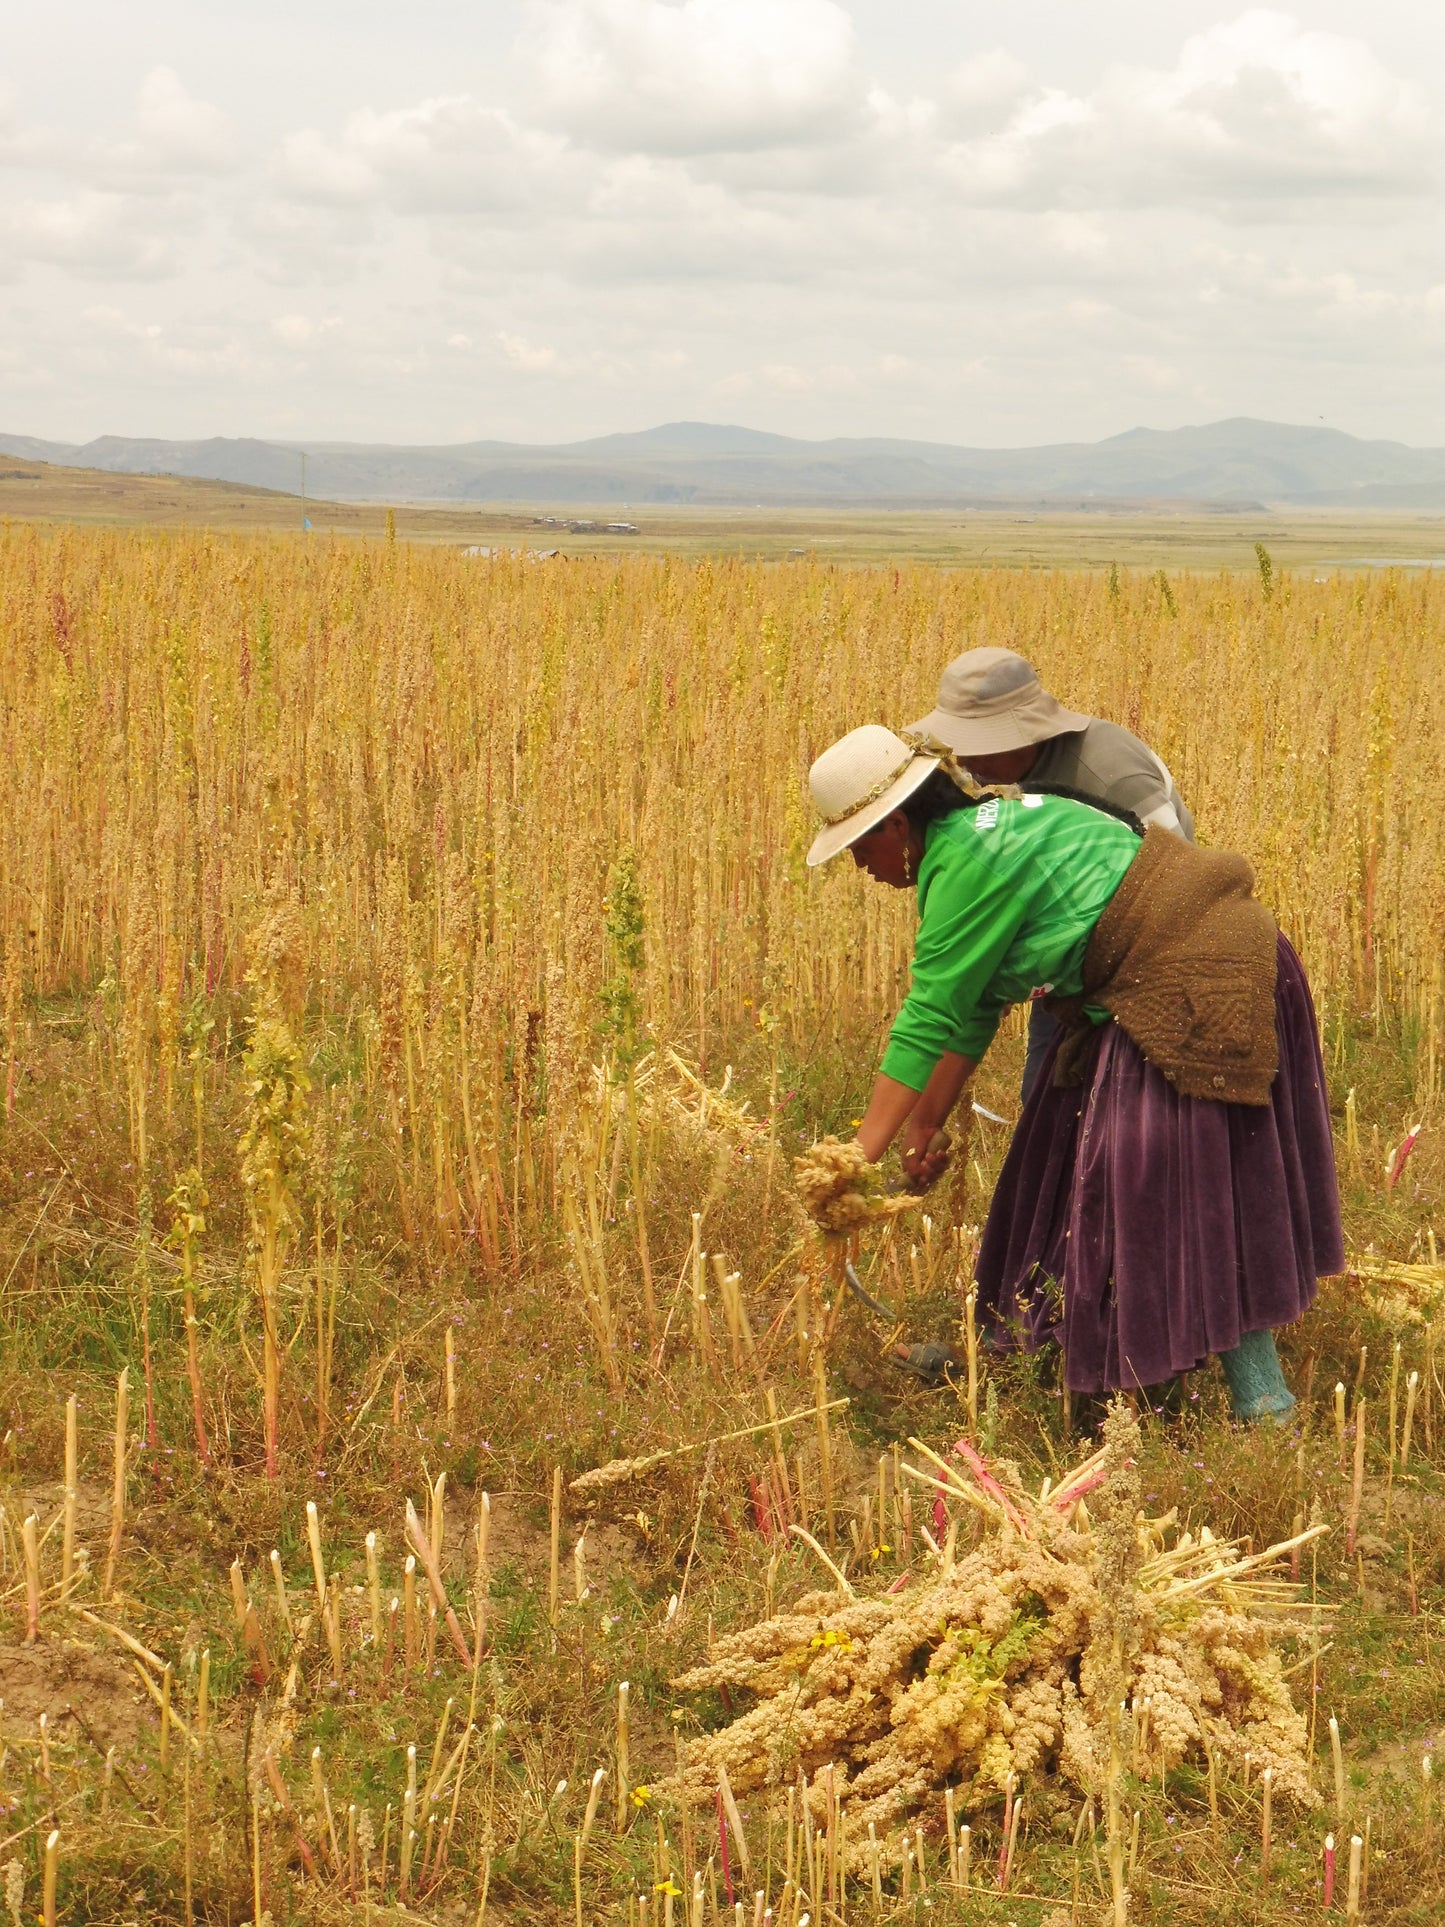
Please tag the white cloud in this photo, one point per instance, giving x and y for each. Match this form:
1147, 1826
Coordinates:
18, 144
1148, 370
531, 358
683, 207
178, 132
174, 140
300, 330
314, 168
653, 217
107, 319
1256, 111
697, 75
537, 358
1264, 105
985, 88
95, 234
118, 341
171, 137
446, 154
291, 242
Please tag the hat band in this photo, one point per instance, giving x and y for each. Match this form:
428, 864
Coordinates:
878, 789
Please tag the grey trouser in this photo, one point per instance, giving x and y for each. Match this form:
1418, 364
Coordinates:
1043, 1029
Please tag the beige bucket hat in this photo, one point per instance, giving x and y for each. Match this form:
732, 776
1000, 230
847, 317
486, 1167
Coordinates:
855, 784
990, 700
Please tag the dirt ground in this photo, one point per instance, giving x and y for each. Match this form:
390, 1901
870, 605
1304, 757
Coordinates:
89, 1695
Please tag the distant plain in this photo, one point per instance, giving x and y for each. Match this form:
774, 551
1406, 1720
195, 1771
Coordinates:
1017, 536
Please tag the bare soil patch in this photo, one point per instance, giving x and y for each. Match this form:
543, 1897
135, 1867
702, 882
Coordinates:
55, 1677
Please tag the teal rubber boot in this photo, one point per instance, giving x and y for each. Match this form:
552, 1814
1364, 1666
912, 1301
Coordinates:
1256, 1384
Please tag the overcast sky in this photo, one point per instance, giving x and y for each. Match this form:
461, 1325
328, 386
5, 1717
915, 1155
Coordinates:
960, 220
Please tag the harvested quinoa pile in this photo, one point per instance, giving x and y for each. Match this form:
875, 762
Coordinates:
1016, 1660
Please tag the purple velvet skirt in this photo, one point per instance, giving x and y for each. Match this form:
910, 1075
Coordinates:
1142, 1230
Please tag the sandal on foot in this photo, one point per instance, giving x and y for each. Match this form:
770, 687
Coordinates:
934, 1363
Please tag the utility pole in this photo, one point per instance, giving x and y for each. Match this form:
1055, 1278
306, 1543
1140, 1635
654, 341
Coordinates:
303, 488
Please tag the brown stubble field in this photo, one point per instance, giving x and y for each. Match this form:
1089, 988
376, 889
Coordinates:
411, 988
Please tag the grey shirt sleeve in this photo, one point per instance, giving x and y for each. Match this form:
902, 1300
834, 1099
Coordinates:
1111, 763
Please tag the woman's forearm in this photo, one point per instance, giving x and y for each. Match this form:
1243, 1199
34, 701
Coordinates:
893, 1105
888, 1111
939, 1095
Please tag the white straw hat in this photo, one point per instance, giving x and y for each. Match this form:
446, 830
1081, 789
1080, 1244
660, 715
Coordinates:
855, 784
991, 700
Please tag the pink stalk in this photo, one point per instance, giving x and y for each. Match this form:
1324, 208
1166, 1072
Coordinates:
271, 1382
986, 1482
1070, 1495
1399, 1157
1329, 1871
153, 1437
1008, 1814
762, 1511
722, 1835
193, 1372
283, 1800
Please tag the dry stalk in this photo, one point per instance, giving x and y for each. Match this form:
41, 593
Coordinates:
616, 1471
555, 1543
29, 1536
434, 1580
117, 1490
1358, 1485
624, 1763
67, 1543
48, 1878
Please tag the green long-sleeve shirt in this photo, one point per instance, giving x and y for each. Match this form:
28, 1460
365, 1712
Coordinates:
1008, 896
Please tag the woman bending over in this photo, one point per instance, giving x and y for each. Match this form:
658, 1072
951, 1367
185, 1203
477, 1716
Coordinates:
1170, 1190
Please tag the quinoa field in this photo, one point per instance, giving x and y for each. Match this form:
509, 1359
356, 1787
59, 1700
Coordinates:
442, 1474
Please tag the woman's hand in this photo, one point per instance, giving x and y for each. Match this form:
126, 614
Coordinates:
926, 1153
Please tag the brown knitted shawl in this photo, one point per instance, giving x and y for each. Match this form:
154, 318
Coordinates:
1184, 959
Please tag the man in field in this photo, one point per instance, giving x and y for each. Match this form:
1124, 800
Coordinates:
1003, 725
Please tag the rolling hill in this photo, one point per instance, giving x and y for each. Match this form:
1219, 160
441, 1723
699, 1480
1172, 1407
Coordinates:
1230, 464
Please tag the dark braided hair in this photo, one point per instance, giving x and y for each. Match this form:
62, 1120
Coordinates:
940, 796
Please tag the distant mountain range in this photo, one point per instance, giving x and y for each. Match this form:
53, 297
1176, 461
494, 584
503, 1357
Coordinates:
1226, 465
